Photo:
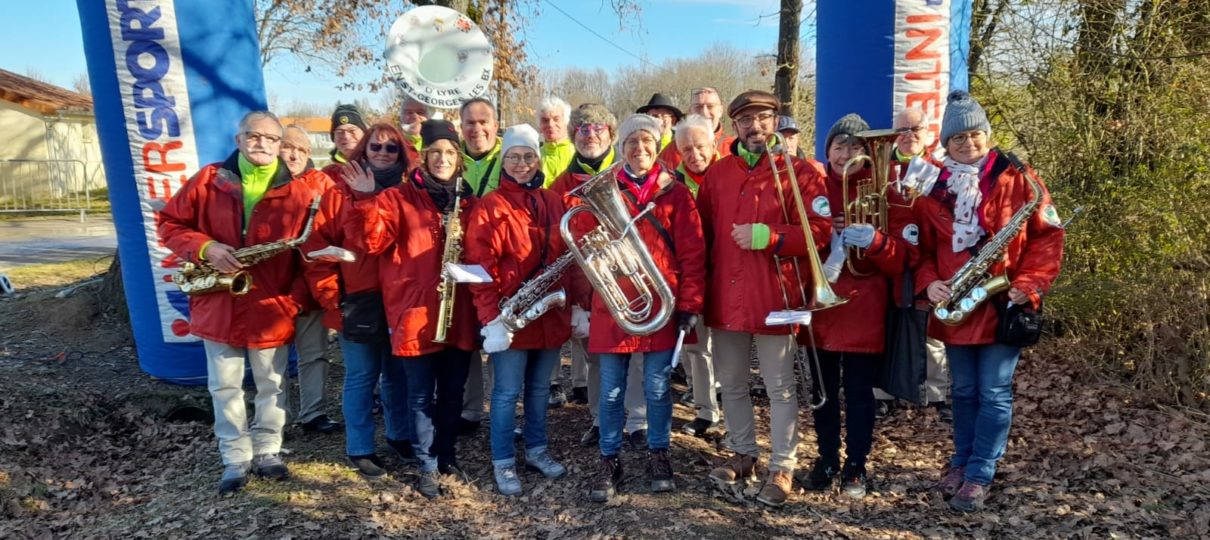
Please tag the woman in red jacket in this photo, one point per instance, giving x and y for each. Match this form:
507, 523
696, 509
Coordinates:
406, 226
514, 236
674, 238
979, 190
849, 338
351, 296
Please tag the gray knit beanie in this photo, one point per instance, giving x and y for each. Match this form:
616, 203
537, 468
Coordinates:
963, 113
849, 124
638, 122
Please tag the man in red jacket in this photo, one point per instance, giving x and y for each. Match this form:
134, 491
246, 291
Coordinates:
248, 199
752, 232
706, 102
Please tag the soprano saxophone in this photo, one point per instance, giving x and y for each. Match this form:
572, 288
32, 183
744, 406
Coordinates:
451, 254
972, 284
203, 278
531, 300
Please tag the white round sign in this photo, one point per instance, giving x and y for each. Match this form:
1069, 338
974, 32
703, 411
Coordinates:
438, 56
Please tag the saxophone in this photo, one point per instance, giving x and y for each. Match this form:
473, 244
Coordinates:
971, 284
451, 254
202, 278
531, 301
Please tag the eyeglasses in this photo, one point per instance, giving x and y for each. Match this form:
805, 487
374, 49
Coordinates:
914, 130
253, 136
747, 121
591, 129
515, 158
634, 142
654, 114
390, 148
972, 136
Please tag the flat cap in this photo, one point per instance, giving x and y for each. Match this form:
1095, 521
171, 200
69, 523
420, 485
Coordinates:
752, 99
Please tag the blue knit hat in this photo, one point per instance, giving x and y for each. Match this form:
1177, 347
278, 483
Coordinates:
963, 113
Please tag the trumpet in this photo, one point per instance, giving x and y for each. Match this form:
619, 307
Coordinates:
615, 251
870, 204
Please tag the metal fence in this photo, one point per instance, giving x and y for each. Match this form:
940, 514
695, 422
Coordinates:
44, 185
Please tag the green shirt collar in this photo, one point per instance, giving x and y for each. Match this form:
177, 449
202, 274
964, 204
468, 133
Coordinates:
749, 157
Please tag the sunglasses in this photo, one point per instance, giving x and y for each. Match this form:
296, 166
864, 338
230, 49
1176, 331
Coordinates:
390, 148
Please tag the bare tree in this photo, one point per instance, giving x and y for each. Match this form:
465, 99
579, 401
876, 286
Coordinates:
81, 85
786, 81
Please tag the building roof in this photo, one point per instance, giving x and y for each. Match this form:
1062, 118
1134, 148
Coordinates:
313, 124
43, 97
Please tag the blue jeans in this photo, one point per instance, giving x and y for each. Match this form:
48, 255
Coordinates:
512, 370
983, 406
657, 369
435, 384
364, 362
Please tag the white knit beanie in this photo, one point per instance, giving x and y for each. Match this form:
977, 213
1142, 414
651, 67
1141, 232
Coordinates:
523, 135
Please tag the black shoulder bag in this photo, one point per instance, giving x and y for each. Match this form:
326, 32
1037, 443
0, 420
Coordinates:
904, 365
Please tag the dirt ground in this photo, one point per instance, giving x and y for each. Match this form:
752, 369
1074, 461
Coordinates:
86, 451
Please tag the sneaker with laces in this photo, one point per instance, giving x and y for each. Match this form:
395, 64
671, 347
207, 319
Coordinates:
698, 427
270, 466
542, 462
429, 484
951, 480
659, 471
822, 474
777, 488
737, 468
368, 466
591, 437
507, 481
970, 497
557, 397
853, 482
235, 477
607, 480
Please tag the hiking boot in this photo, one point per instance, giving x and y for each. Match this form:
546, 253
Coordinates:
738, 467
822, 474
970, 497
951, 480
579, 395
591, 437
542, 462
270, 466
429, 484
777, 488
698, 427
368, 466
235, 477
454, 471
659, 471
557, 397
853, 482
637, 439
944, 412
507, 482
607, 480
404, 451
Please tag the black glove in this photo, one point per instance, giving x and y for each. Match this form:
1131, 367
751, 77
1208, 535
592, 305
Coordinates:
686, 321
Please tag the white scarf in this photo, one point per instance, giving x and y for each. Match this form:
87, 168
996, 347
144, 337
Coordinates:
964, 182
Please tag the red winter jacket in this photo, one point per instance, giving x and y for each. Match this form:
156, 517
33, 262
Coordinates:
211, 207
338, 225
859, 325
745, 285
1031, 260
682, 264
514, 235
404, 227
670, 157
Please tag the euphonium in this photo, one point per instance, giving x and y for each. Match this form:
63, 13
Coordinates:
870, 204
202, 278
614, 250
971, 284
449, 255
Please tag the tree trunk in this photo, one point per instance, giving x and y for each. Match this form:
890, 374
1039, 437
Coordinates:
112, 293
786, 82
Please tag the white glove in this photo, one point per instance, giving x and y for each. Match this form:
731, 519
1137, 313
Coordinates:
836, 257
496, 337
858, 235
579, 322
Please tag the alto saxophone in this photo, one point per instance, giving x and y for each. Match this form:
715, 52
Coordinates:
203, 278
972, 284
451, 254
531, 300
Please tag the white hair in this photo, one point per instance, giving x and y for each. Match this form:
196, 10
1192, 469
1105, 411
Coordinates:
693, 121
907, 115
259, 115
551, 103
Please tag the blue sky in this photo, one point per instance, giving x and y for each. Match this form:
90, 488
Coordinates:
49, 41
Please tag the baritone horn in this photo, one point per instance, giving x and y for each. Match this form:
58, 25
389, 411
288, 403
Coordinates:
869, 205
614, 253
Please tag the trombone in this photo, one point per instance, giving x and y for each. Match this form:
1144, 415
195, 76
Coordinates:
823, 297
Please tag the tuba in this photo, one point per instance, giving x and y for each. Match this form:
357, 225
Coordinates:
613, 252
870, 203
